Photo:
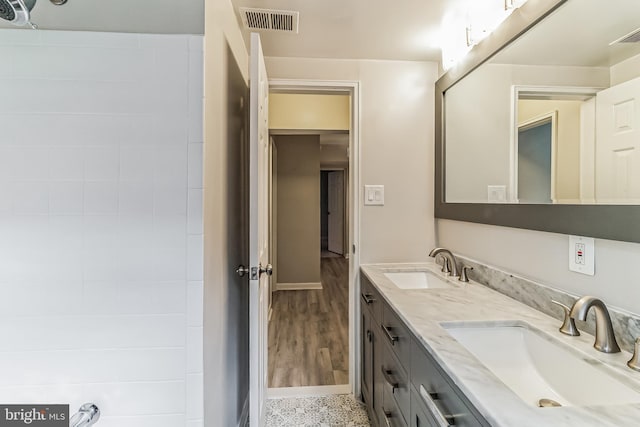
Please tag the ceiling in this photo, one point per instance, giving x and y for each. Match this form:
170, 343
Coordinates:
357, 29
127, 16
578, 34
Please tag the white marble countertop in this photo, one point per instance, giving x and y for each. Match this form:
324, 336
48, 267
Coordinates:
424, 309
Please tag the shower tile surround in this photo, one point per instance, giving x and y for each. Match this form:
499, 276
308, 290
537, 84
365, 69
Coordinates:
626, 325
101, 224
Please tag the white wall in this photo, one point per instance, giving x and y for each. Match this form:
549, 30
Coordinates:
101, 224
396, 139
626, 70
544, 257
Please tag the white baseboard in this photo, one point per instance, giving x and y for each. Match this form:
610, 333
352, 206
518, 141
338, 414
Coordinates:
568, 201
244, 415
321, 390
298, 286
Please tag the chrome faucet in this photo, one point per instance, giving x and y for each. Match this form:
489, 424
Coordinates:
449, 259
605, 337
87, 415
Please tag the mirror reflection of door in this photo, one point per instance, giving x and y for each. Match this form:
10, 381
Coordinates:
535, 163
617, 155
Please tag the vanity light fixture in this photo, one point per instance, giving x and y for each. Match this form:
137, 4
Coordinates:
481, 20
513, 4
473, 38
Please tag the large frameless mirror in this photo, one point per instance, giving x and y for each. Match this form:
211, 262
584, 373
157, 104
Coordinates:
540, 127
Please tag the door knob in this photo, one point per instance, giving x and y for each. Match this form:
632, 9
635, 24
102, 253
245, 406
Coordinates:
242, 270
266, 269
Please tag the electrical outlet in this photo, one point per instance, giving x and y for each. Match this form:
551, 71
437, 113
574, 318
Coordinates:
582, 255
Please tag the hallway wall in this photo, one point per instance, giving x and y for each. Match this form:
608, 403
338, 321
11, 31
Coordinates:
298, 209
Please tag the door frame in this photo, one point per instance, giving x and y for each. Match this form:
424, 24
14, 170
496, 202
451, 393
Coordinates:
354, 197
569, 92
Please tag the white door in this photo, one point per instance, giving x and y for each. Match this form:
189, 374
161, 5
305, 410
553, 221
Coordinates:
335, 190
618, 144
258, 234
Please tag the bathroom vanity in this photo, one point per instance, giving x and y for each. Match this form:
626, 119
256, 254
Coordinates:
401, 384
438, 352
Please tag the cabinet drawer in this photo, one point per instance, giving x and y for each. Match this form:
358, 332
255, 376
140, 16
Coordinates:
371, 298
420, 415
390, 415
395, 381
444, 400
397, 335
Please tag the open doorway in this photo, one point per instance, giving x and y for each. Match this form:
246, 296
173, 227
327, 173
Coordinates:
536, 160
311, 321
333, 221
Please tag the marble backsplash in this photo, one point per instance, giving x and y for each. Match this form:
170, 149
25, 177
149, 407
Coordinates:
626, 325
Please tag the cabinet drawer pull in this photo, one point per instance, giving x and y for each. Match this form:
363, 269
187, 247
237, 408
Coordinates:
430, 400
387, 416
389, 379
367, 298
387, 331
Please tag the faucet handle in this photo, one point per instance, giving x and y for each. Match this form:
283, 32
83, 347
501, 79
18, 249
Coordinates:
446, 269
634, 362
463, 274
568, 324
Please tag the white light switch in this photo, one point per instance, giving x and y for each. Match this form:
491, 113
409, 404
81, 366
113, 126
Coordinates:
374, 195
497, 193
582, 255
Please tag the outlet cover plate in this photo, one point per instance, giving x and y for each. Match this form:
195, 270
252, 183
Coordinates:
582, 255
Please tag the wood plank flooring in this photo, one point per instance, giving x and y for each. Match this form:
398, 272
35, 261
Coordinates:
309, 332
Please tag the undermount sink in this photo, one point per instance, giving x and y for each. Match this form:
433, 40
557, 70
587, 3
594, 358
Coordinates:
539, 369
416, 280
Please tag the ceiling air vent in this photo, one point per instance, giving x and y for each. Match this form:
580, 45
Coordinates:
270, 20
632, 37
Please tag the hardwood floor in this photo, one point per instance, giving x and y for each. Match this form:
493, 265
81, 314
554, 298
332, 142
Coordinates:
309, 332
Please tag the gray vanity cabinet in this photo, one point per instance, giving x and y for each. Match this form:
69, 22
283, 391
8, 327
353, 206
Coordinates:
402, 385
420, 415
433, 389
366, 344
371, 309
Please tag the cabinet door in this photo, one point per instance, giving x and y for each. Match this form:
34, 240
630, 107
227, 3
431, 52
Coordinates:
390, 415
366, 343
379, 381
420, 416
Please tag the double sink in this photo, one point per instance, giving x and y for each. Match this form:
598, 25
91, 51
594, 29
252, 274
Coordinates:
543, 371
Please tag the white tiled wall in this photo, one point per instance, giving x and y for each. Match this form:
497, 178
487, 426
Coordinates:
101, 224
